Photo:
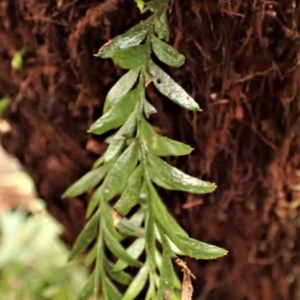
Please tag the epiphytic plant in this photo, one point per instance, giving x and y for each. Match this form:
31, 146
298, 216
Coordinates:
128, 169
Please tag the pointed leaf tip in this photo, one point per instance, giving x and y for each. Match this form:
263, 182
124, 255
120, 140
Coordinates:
117, 115
160, 145
120, 89
171, 178
86, 182
166, 53
200, 250
132, 37
169, 88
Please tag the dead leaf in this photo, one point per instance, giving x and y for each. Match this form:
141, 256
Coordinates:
187, 287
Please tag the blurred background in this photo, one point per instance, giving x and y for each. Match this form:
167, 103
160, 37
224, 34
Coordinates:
33, 259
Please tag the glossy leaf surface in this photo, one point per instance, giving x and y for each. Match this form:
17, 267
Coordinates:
135, 250
112, 290
137, 284
171, 178
131, 194
162, 27
167, 272
99, 268
117, 249
120, 276
120, 89
117, 115
94, 201
132, 37
149, 109
200, 250
139, 219
168, 87
161, 214
107, 216
166, 53
118, 174
150, 242
131, 58
160, 145
128, 228
86, 182
188, 246
86, 236
126, 131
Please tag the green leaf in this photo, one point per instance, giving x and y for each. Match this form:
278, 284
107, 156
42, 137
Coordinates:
86, 182
127, 228
118, 141
162, 219
4, 104
158, 258
130, 196
132, 37
135, 250
117, 249
104, 294
140, 4
171, 178
200, 250
107, 218
159, 145
86, 236
131, 58
87, 290
186, 245
176, 284
137, 284
148, 109
117, 115
167, 272
168, 87
161, 213
120, 89
112, 291
151, 291
138, 217
99, 268
150, 242
120, 277
158, 5
98, 162
114, 147
118, 174
91, 256
166, 53
94, 201
18, 60
161, 27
